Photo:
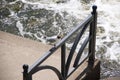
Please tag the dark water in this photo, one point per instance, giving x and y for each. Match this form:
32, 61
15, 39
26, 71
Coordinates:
40, 22
33, 21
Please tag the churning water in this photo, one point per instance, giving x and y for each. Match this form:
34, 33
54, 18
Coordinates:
43, 20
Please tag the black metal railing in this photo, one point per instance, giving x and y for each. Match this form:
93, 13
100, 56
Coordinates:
91, 22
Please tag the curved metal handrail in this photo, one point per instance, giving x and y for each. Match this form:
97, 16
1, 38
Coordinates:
57, 72
65, 63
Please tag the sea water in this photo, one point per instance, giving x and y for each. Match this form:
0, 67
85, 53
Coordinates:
43, 20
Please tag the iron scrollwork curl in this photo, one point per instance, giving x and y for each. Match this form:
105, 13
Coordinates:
39, 68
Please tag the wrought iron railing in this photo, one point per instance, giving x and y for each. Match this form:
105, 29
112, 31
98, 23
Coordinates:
91, 22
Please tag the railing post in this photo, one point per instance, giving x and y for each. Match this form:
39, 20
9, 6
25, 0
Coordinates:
63, 60
92, 42
25, 73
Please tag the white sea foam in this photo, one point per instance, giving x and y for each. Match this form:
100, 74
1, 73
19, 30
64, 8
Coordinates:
108, 20
73, 7
109, 13
20, 28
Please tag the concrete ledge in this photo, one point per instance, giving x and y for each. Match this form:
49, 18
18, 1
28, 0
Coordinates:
16, 51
